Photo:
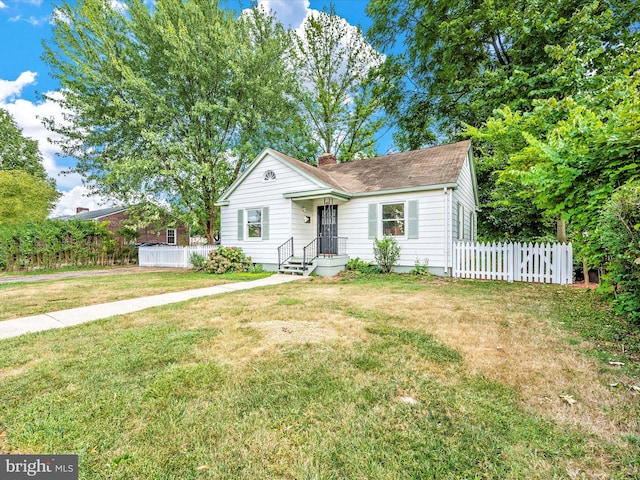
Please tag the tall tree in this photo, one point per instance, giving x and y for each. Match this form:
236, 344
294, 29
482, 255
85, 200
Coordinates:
24, 197
16, 151
462, 60
25, 189
572, 153
339, 86
465, 61
169, 102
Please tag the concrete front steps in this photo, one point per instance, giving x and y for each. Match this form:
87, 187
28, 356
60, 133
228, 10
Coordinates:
293, 266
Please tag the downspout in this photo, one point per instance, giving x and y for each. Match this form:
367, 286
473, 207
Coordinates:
446, 230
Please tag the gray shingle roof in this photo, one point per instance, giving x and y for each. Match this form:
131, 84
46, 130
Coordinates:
93, 214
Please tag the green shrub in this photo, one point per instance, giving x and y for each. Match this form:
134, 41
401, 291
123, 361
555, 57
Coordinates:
386, 253
198, 262
360, 266
47, 244
228, 259
620, 235
420, 268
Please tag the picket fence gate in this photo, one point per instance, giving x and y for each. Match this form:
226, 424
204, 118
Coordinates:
514, 262
178, 257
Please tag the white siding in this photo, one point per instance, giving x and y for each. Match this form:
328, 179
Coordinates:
464, 195
437, 217
285, 217
430, 245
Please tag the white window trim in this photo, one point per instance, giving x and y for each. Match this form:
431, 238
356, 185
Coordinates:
405, 219
175, 236
272, 179
246, 225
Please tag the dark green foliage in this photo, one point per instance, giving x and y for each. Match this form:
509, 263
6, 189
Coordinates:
228, 259
164, 97
386, 252
420, 268
18, 152
198, 262
58, 243
462, 60
360, 266
620, 235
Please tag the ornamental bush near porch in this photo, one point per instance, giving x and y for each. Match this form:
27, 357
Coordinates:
228, 259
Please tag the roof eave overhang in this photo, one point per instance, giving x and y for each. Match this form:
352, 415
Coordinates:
422, 188
319, 193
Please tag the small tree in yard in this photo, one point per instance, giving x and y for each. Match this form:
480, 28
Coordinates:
620, 235
386, 253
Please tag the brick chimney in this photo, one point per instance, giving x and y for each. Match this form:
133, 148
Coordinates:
81, 209
327, 159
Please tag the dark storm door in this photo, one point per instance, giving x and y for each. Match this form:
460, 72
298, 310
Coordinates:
328, 230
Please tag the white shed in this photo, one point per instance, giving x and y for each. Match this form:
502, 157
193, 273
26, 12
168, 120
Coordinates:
289, 215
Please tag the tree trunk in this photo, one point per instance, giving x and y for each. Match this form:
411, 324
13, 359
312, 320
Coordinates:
561, 230
585, 271
211, 226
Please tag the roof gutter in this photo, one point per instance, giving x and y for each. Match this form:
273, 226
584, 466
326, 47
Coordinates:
423, 188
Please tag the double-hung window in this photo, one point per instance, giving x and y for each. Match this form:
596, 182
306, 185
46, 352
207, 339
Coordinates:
171, 236
393, 219
254, 223
399, 219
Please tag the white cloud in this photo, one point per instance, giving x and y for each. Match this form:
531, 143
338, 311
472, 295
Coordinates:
11, 89
28, 116
79, 196
3, 5
37, 21
290, 13
119, 6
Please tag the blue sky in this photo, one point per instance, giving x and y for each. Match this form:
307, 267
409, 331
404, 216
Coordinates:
25, 24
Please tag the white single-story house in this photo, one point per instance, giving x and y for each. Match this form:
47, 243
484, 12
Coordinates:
289, 215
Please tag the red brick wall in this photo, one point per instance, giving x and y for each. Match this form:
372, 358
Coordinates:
150, 233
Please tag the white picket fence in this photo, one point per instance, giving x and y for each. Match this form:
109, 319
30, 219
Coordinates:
177, 257
514, 262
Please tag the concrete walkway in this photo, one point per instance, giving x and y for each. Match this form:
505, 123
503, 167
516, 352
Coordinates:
75, 316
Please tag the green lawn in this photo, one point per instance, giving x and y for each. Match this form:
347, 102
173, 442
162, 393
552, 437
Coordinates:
24, 299
391, 377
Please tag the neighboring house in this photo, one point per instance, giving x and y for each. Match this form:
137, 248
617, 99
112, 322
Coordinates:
280, 207
117, 217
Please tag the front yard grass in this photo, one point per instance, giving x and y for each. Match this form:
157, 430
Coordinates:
373, 378
25, 299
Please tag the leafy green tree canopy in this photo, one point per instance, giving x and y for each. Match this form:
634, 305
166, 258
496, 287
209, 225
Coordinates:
571, 154
16, 151
339, 86
26, 192
24, 197
170, 101
462, 60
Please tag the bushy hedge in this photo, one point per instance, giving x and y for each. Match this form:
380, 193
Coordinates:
620, 235
223, 260
59, 243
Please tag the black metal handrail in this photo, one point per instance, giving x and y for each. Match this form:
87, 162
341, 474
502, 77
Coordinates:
310, 253
285, 252
325, 247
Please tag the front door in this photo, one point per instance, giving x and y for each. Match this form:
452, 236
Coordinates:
328, 230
